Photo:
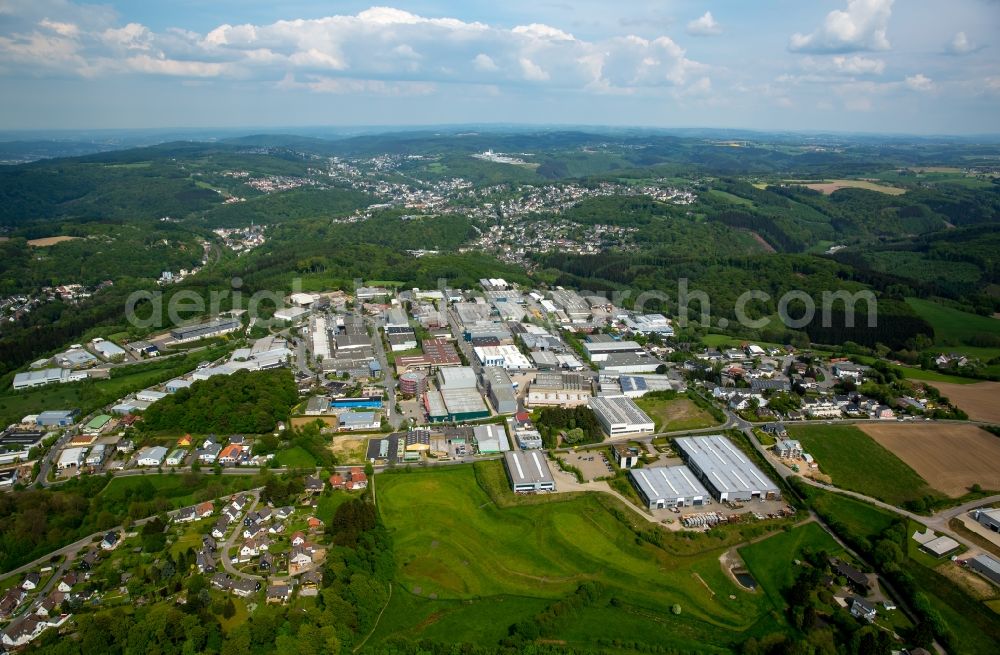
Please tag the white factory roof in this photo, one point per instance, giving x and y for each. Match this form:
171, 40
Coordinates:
725, 465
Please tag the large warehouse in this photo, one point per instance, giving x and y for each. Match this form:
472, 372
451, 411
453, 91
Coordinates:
528, 471
724, 469
668, 486
619, 415
210, 329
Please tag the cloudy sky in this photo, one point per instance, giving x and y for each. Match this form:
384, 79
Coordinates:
919, 66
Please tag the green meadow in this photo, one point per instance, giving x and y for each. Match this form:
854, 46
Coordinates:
857, 462
468, 567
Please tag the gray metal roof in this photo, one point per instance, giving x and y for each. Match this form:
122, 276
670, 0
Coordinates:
663, 482
724, 465
527, 468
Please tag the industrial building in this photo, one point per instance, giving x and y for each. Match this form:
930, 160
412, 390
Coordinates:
724, 469
668, 486
176, 385
500, 390
291, 314
152, 456
625, 362
455, 405
358, 421
491, 439
441, 352
650, 324
562, 389
986, 566
413, 383
210, 329
508, 357
619, 415
988, 518
46, 376
637, 386
71, 458
57, 418
107, 349
597, 344
528, 472
458, 377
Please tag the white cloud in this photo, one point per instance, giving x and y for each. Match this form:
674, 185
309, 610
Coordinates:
844, 65
962, 45
380, 44
706, 25
131, 37
163, 66
62, 29
542, 32
532, 71
485, 63
862, 26
920, 82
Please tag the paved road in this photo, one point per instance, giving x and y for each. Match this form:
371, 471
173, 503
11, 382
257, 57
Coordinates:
388, 375
227, 545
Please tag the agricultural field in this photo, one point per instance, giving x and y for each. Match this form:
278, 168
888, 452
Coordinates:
49, 241
979, 400
458, 545
676, 414
951, 457
956, 330
829, 186
857, 462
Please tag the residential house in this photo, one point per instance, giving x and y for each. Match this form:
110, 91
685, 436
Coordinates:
204, 561
231, 454
279, 593
357, 480
244, 588
855, 578
110, 541
266, 562
313, 485
220, 528
311, 582
862, 609
66, 584
31, 581
20, 633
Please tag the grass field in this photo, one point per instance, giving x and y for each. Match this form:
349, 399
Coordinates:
770, 561
180, 489
857, 517
950, 456
857, 462
923, 375
677, 414
953, 328
296, 457
460, 556
327, 505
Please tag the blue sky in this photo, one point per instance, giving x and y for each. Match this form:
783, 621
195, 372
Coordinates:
918, 66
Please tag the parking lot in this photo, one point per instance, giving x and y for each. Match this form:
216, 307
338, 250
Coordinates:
592, 463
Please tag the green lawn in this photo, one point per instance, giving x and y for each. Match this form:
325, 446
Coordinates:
677, 414
327, 504
770, 561
296, 457
856, 462
953, 329
857, 517
932, 376
180, 489
458, 545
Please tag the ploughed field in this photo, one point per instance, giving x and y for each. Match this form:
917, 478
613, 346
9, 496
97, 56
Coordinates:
951, 457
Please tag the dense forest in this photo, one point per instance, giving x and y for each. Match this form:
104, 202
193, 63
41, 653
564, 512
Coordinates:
246, 401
